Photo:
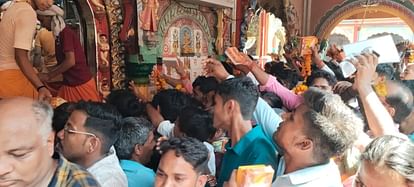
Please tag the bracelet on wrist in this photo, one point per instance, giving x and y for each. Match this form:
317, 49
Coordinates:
40, 87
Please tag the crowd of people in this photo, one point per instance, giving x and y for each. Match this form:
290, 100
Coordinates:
356, 131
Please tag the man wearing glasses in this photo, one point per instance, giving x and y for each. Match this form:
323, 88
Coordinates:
27, 146
88, 138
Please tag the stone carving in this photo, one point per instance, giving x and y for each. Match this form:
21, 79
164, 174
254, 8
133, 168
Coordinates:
292, 20
103, 52
118, 50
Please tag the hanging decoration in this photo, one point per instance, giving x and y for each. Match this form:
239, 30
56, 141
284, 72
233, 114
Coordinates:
156, 78
307, 43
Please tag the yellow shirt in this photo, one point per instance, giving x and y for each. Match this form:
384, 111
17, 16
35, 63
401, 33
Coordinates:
17, 28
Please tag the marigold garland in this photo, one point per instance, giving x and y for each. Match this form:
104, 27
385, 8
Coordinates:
160, 83
299, 89
305, 72
381, 89
307, 43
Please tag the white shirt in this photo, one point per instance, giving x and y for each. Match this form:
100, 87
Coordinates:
166, 128
108, 172
326, 175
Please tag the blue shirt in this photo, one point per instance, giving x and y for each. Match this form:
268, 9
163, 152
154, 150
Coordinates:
137, 174
253, 148
411, 136
266, 117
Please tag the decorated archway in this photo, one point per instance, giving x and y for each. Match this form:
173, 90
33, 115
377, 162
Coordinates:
187, 16
401, 9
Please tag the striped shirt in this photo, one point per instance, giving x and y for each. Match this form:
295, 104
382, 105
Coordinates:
71, 175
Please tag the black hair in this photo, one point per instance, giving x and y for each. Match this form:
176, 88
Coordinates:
103, 119
100, 110
159, 60
197, 123
171, 102
278, 70
61, 115
268, 67
287, 77
106, 130
401, 100
205, 84
385, 70
192, 150
126, 103
228, 68
272, 99
134, 131
409, 84
321, 74
241, 90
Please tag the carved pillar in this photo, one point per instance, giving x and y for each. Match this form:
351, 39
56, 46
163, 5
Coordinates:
114, 13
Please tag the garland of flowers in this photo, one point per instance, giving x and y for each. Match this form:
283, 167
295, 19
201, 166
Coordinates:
299, 89
307, 43
381, 89
155, 77
160, 82
410, 53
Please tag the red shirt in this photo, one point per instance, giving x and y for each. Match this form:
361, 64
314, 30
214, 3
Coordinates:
68, 41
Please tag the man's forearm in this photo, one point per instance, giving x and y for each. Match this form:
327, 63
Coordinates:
23, 62
154, 115
60, 69
173, 82
260, 75
379, 120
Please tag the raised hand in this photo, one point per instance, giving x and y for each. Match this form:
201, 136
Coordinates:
180, 68
365, 65
214, 68
134, 88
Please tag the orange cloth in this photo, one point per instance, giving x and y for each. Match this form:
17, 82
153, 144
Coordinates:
14, 83
86, 92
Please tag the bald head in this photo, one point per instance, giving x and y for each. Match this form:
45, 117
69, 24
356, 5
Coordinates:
24, 113
27, 143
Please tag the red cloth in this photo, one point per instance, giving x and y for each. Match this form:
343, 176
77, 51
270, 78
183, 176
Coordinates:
148, 16
68, 41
